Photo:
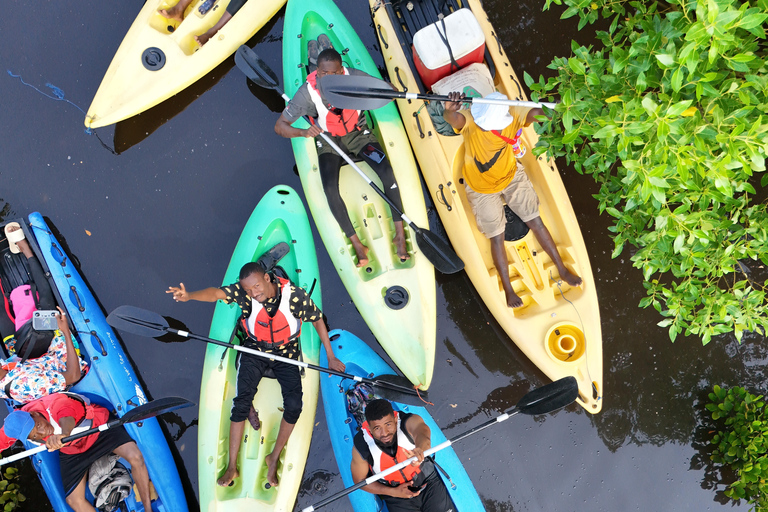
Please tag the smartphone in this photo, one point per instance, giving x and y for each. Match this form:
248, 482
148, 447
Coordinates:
44, 320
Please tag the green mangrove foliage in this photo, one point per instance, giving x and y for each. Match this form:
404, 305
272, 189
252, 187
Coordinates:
669, 117
743, 442
10, 497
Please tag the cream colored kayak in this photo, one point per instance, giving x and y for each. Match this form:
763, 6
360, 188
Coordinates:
558, 327
279, 217
130, 87
396, 299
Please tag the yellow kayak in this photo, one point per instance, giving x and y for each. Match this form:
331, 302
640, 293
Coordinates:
558, 327
160, 57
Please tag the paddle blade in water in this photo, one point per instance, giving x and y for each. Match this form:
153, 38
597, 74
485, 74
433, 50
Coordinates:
255, 68
137, 321
398, 389
356, 92
438, 252
550, 397
155, 408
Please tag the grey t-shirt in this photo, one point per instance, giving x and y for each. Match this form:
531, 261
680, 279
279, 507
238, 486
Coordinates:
302, 105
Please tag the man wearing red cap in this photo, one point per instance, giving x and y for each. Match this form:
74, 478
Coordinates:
493, 176
56, 416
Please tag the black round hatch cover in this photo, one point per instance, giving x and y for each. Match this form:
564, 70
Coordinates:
396, 297
153, 58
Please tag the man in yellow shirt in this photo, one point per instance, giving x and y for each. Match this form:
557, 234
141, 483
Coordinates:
493, 176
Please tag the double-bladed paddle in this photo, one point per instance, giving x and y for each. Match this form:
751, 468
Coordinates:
142, 412
435, 249
547, 398
368, 93
147, 323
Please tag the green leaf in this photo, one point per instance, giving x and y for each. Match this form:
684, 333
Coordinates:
666, 59
576, 66
678, 108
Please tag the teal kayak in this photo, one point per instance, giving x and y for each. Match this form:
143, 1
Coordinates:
279, 217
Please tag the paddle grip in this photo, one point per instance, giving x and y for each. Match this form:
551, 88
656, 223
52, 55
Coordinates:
65, 440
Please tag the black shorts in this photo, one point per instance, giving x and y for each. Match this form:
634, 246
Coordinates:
434, 497
75, 466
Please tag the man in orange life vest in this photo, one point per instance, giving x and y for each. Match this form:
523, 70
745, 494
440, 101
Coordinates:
272, 312
59, 415
349, 130
492, 176
388, 438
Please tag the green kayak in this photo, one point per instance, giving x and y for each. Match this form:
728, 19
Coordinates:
279, 217
396, 299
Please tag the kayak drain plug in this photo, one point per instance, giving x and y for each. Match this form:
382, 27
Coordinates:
153, 58
396, 297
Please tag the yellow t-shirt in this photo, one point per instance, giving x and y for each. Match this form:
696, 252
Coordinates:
489, 162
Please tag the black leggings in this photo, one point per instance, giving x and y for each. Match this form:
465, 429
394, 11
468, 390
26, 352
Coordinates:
330, 165
46, 299
250, 371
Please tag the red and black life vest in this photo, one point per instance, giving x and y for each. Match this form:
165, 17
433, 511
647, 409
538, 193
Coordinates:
338, 122
276, 330
383, 461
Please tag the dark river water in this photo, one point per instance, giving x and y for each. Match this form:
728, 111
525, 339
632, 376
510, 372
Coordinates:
170, 206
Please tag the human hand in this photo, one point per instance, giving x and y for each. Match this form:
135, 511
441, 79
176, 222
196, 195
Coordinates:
313, 131
454, 105
402, 491
418, 453
179, 294
335, 364
61, 320
53, 442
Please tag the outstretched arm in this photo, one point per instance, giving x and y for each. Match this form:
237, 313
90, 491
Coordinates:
181, 294
422, 437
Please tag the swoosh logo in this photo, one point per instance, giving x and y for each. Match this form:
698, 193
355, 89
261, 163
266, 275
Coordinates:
487, 166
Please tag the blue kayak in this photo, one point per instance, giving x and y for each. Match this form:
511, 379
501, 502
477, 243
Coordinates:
362, 361
110, 381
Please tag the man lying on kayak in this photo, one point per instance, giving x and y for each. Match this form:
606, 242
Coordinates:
349, 130
177, 13
272, 312
493, 176
56, 416
387, 438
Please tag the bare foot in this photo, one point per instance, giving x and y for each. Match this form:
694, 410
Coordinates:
229, 475
513, 299
271, 461
23, 244
203, 38
362, 256
174, 13
402, 251
570, 278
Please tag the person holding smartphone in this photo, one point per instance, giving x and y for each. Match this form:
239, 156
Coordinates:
386, 438
42, 362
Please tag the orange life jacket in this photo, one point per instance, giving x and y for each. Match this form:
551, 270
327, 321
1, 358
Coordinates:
279, 329
338, 122
382, 461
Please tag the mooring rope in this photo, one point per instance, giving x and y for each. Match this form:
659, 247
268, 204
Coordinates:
57, 94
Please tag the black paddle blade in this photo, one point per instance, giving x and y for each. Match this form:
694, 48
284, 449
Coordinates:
356, 92
255, 68
155, 408
269, 259
550, 397
138, 321
438, 252
398, 389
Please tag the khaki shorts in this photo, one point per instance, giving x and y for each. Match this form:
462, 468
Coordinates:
489, 208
